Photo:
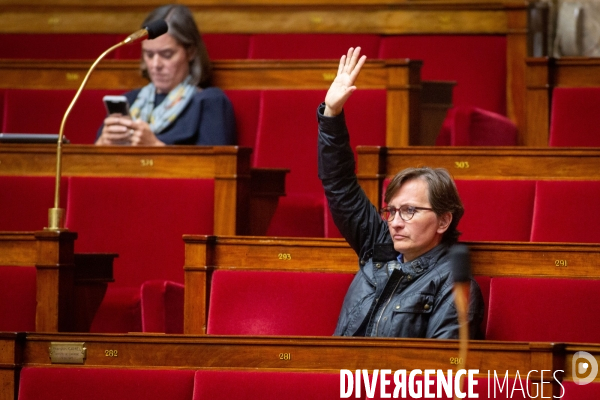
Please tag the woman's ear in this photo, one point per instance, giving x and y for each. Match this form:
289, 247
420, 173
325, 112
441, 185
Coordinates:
191, 53
444, 222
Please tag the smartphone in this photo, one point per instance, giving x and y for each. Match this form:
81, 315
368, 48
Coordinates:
116, 105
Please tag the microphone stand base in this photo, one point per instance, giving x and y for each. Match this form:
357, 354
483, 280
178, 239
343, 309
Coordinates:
56, 220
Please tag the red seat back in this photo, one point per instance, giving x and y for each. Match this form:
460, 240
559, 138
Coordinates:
544, 309
50, 106
142, 219
574, 118
566, 211
246, 106
275, 303
17, 298
472, 126
25, 200
265, 385
303, 46
476, 63
56, 46
64, 383
500, 210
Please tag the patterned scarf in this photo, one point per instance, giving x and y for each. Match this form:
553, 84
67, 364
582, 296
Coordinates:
166, 112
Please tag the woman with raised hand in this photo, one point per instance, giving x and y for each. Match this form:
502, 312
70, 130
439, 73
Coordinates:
404, 286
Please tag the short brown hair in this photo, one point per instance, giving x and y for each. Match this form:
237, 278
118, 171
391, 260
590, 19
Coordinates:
442, 195
184, 30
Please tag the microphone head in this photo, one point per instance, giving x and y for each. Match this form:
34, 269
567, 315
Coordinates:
460, 263
156, 28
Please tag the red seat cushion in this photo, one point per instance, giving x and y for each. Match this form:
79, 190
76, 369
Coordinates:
566, 211
64, 383
574, 118
472, 126
311, 46
25, 201
17, 287
543, 309
275, 303
476, 63
496, 210
265, 385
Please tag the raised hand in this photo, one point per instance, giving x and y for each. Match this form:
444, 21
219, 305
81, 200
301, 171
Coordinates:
343, 84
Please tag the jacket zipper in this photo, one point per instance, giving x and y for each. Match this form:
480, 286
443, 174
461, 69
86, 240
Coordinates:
385, 306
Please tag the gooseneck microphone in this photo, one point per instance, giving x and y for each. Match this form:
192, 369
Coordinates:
461, 274
153, 30
56, 215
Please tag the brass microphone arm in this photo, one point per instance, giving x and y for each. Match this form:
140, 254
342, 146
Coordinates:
56, 215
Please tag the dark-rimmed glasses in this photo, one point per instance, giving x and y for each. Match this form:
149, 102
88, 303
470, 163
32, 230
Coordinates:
406, 212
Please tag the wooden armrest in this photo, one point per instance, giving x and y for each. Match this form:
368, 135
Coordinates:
268, 181
94, 267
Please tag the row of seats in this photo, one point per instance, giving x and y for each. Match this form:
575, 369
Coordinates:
54, 383
529, 211
308, 304
280, 138
476, 63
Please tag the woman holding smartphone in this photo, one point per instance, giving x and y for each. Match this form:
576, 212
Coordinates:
178, 106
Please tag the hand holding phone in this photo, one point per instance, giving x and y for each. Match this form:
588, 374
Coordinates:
116, 105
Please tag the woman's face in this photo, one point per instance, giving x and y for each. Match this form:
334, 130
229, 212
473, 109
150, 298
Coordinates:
167, 62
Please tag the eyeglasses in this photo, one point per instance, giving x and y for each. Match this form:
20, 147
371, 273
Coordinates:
406, 212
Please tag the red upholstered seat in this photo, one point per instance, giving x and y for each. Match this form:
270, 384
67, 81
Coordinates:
287, 138
227, 46
162, 306
573, 391
275, 303
64, 383
566, 211
499, 210
56, 46
476, 63
17, 287
574, 118
484, 285
25, 200
311, 46
543, 309
49, 107
220, 46
142, 220
246, 106
472, 126
265, 385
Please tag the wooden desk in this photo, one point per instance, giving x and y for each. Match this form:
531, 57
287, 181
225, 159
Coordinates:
237, 186
400, 78
204, 254
69, 289
377, 163
543, 74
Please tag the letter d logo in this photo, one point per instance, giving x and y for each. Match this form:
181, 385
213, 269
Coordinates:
584, 364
